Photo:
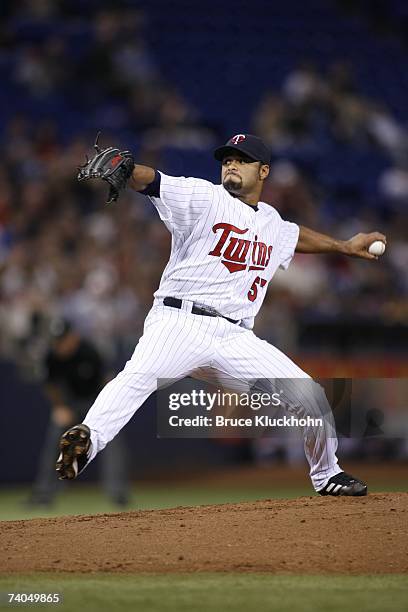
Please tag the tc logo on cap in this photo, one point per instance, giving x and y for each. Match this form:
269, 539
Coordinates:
237, 139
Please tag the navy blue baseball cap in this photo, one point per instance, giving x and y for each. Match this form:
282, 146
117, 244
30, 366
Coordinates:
249, 145
59, 328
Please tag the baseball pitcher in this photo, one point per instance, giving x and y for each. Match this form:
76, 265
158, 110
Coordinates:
226, 248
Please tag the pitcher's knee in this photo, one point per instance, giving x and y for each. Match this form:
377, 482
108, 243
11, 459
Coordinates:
136, 381
307, 397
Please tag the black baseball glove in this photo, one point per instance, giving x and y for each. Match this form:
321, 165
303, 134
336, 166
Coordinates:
111, 165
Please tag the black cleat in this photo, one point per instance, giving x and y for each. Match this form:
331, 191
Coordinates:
344, 484
74, 446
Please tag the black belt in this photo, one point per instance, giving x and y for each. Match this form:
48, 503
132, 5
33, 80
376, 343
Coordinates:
176, 303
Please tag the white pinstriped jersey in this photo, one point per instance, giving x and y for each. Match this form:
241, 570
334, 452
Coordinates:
224, 252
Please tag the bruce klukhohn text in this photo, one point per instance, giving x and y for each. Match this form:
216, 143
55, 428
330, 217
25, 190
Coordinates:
255, 421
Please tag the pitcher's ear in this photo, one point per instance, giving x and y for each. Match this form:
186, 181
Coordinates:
263, 171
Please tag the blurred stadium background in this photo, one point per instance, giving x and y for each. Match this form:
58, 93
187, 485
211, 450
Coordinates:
323, 81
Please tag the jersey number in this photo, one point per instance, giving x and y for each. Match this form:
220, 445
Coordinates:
253, 292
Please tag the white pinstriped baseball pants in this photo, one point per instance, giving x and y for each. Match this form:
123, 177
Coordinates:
175, 343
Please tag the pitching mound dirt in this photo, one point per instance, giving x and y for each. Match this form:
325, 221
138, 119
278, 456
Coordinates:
309, 535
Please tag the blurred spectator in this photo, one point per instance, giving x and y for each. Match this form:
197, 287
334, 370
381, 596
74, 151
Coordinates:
73, 376
287, 189
178, 126
387, 132
304, 85
393, 185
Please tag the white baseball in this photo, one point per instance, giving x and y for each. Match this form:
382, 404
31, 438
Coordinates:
377, 248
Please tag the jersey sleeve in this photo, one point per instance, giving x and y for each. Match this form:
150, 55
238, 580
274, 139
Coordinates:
182, 201
288, 239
